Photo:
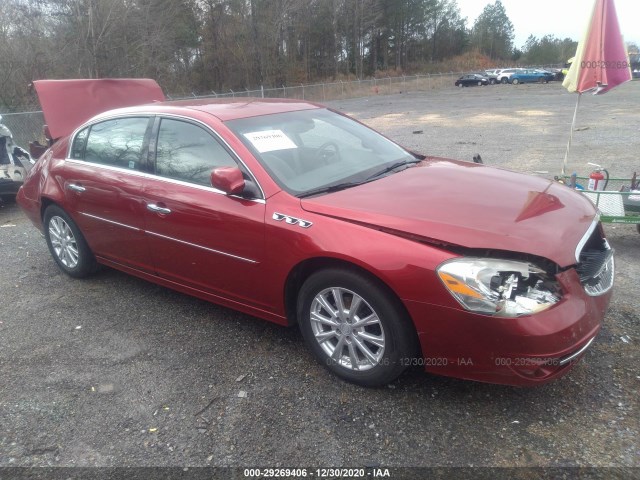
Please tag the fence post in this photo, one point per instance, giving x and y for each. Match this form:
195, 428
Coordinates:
341, 88
284, 91
302, 91
262, 90
323, 95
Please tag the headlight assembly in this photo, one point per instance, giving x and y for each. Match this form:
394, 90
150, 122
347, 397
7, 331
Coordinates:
504, 288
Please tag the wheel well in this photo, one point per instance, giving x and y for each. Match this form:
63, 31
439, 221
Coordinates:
44, 204
305, 269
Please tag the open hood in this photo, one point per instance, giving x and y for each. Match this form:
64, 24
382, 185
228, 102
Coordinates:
468, 205
67, 104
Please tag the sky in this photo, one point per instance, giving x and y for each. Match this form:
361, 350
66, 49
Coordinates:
561, 18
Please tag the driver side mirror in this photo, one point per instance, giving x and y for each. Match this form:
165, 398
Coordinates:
228, 179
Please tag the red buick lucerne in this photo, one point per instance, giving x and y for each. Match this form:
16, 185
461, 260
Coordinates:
298, 214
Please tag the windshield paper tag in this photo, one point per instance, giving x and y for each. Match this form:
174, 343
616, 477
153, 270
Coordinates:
270, 140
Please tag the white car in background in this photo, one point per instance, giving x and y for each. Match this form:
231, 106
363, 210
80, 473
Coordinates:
505, 74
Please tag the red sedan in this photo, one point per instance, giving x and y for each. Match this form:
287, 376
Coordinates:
297, 214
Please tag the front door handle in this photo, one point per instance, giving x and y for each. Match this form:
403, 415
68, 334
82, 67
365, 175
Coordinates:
155, 208
76, 188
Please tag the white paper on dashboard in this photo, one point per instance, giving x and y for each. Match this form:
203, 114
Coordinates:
270, 140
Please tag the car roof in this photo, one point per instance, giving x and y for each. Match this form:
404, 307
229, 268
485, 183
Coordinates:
230, 108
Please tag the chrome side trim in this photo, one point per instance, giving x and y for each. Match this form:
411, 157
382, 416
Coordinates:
565, 360
150, 176
248, 260
586, 236
112, 222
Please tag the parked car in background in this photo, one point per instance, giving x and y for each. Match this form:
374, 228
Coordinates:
472, 80
549, 75
505, 74
528, 76
297, 214
492, 75
15, 162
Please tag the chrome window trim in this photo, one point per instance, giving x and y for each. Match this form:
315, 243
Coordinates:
234, 154
585, 238
151, 176
219, 252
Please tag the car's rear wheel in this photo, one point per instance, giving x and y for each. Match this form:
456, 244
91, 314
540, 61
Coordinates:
66, 243
515, 81
504, 81
355, 327
461, 85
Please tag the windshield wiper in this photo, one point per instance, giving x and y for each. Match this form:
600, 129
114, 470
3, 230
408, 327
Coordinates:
392, 167
331, 188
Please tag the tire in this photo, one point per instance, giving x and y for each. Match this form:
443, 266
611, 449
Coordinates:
479, 84
515, 81
461, 85
504, 80
371, 355
493, 81
66, 243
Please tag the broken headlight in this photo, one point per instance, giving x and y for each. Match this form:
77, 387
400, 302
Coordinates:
504, 288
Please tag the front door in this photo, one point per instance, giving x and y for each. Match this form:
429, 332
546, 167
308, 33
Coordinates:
199, 236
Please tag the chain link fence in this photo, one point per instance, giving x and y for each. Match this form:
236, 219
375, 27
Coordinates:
27, 126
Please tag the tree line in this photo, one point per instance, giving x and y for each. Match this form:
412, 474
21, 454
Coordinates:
216, 45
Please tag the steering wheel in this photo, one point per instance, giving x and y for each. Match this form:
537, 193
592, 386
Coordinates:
328, 152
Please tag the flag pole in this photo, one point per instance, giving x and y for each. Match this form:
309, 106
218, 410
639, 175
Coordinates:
573, 126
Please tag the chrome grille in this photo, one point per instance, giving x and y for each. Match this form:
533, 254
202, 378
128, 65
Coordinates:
596, 266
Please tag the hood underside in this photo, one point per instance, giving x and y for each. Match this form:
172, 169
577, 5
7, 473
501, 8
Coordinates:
67, 104
469, 205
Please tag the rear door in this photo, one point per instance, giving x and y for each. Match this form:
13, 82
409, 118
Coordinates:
200, 237
103, 184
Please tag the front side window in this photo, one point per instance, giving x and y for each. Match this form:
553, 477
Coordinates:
189, 153
117, 142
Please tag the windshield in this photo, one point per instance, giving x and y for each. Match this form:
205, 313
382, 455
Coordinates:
309, 150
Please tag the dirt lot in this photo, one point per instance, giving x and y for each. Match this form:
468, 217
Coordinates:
115, 371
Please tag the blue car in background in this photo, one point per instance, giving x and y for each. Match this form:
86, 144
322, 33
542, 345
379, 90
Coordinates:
529, 76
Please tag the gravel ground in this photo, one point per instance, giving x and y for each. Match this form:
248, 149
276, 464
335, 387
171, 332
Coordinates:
115, 371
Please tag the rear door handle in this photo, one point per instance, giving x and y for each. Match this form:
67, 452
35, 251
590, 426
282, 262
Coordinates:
155, 208
76, 188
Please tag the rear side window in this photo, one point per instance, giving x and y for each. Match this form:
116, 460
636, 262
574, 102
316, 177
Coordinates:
117, 143
189, 153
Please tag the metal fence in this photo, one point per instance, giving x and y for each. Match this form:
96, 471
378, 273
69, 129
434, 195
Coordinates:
27, 126
322, 92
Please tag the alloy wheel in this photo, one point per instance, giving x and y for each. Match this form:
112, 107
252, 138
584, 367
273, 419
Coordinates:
347, 329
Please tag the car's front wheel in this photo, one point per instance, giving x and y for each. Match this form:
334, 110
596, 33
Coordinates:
515, 81
66, 243
355, 327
